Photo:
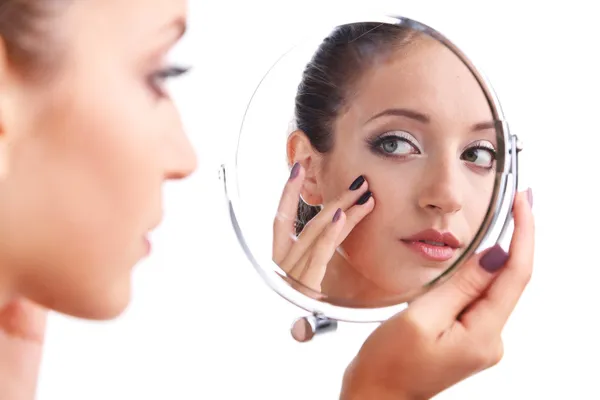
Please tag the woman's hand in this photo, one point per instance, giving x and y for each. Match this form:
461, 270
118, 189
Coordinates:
451, 332
305, 258
22, 328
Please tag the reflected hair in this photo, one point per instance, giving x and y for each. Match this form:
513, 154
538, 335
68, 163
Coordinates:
330, 80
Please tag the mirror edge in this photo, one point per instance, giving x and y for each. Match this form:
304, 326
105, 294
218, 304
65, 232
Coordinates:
273, 277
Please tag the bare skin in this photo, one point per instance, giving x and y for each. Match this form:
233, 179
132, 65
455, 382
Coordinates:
82, 163
419, 130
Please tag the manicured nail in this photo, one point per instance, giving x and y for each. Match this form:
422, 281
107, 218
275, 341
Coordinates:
530, 197
493, 259
295, 171
337, 215
357, 183
364, 198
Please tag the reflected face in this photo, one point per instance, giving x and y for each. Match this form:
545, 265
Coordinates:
419, 129
84, 156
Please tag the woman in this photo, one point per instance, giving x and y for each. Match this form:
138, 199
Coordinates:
88, 135
395, 116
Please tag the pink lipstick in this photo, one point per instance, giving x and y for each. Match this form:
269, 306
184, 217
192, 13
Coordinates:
433, 245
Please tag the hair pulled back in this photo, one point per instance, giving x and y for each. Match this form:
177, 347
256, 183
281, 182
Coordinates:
329, 79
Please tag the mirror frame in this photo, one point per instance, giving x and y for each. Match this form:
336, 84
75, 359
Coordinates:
499, 214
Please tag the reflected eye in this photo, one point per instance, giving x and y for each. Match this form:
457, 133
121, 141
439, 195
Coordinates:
481, 155
395, 144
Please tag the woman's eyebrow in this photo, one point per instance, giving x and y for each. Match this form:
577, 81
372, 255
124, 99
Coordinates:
482, 126
402, 112
425, 119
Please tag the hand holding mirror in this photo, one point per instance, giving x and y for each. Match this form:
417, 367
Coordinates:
371, 164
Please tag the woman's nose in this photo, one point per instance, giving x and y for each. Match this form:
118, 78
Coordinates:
441, 190
182, 160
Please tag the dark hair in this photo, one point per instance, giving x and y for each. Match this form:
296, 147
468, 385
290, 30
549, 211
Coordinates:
25, 29
330, 77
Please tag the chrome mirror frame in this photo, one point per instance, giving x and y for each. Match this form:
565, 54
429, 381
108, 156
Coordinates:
324, 312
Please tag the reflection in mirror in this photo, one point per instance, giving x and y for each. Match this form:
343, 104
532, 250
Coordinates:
391, 159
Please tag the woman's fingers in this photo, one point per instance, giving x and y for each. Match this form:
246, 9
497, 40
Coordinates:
312, 274
312, 265
284, 223
305, 258
493, 310
315, 227
438, 309
486, 289
354, 215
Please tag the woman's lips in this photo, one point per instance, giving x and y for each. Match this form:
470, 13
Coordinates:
434, 245
433, 252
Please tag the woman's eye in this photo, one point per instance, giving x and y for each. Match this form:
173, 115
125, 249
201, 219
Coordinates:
480, 156
158, 79
397, 146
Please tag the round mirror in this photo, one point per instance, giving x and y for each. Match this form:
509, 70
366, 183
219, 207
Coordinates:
373, 159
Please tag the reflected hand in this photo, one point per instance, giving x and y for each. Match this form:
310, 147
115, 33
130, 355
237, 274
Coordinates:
305, 258
22, 327
451, 332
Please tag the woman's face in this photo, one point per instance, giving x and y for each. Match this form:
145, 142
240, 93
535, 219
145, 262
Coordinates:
419, 129
84, 154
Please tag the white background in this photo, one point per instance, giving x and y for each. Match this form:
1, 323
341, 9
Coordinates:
203, 325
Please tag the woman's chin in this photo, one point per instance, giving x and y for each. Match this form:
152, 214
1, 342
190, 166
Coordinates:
107, 311
108, 306
92, 304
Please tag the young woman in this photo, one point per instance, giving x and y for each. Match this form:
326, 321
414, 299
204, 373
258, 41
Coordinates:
88, 135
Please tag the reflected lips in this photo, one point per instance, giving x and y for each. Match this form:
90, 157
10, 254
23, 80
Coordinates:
433, 245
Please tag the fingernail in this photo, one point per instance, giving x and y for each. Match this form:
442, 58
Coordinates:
337, 215
364, 198
295, 171
357, 183
530, 197
493, 259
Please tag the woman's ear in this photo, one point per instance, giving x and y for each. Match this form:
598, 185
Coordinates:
299, 150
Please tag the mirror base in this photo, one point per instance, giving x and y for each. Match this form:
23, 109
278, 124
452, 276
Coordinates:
305, 328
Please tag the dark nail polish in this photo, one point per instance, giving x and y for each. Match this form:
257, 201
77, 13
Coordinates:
357, 183
295, 171
530, 197
493, 259
364, 198
337, 215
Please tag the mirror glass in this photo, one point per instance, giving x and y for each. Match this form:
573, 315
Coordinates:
366, 164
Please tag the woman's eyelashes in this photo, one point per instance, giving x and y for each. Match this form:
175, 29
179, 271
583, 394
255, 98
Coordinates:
481, 155
157, 79
395, 144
